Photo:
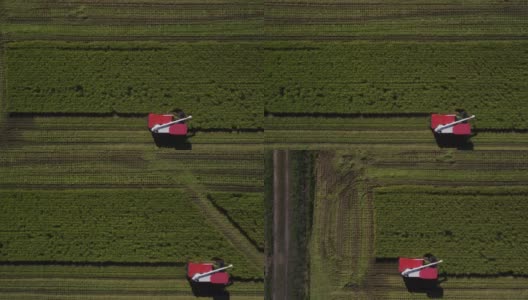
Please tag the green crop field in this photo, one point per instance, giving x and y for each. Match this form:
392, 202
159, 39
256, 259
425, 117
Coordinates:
95, 202
465, 207
132, 20
393, 19
113, 225
93, 206
246, 211
485, 233
400, 78
217, 83
100, 200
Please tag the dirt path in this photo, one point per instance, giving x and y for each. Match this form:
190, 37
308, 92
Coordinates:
281, 223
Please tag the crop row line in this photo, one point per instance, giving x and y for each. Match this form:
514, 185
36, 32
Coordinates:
267, 37
95, 20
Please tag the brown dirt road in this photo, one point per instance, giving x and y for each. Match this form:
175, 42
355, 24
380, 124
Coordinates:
281, 223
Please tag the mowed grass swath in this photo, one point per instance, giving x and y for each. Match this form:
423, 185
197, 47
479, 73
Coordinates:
487, 78
120, 225
218, 83
477, 230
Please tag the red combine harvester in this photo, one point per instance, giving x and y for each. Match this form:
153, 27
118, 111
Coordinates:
167, 125
206, 273
418, 268
450, 125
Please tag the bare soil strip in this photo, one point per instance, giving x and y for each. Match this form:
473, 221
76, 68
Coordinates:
281, 223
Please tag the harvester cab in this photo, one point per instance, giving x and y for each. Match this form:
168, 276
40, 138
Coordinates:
168, 124
207, 273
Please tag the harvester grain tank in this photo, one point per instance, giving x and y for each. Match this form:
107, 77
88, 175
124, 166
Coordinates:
207, 273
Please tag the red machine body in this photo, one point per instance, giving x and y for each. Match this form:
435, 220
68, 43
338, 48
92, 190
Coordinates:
407, 265
205, 272
448, 124
166, 124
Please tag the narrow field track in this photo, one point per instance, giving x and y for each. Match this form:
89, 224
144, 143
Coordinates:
281, 228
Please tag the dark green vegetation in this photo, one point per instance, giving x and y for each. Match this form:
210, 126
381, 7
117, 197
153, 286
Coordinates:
301, 206
217, 83
476, 230
90, 194
268, 222
96, 193
111, 225
245, 212
375, 203
487, 78
399, 60
96, 203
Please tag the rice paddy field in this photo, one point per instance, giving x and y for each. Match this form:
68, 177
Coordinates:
374, 205
355, 83
93, 207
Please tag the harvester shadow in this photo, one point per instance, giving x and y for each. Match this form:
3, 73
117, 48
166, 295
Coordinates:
458, 142
174, 142
213, 291
431, 288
